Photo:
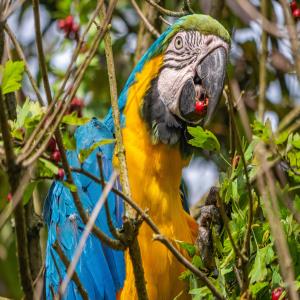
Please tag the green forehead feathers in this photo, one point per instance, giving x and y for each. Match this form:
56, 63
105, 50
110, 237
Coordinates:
202, 23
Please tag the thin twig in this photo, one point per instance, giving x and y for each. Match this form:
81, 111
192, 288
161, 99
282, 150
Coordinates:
17, 196
158, 236
262, 64
39, 45
238, 253
295, 44
151, 28
266, 25
167, 12
187, 6
60, 110
22, 56
268, 192
110, 223
246, 245
37, 130
14, 174
87, 230
56, 246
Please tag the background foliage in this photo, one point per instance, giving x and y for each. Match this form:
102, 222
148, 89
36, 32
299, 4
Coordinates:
264, 93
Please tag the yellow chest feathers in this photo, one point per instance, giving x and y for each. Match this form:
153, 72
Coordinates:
154, 170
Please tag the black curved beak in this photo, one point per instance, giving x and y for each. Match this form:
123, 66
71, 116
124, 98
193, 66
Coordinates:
211, 70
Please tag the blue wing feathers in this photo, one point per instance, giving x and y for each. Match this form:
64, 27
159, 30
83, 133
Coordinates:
101, 269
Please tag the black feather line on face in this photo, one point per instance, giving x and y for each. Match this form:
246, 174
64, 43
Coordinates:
164, 127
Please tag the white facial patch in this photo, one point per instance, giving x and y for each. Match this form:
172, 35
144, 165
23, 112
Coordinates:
185, 51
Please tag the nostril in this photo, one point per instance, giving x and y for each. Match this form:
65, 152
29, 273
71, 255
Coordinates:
197, 80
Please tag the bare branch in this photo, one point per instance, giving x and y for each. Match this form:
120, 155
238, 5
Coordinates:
151, 29
167, 12
86, 232
74, 277
22, 56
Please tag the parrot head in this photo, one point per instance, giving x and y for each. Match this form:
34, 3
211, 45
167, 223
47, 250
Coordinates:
188, 86
185, 89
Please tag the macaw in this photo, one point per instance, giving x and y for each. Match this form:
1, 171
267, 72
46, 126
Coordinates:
182, 71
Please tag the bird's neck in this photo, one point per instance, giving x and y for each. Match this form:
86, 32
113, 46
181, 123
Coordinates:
154, 169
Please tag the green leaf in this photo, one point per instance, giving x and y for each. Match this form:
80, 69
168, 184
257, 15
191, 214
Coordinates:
69, 141
73, 119
49, 165
190, 248
203, 139
200, 293
28, 191
70, 186
259, 269
12, 76
282, 138
296, 141
85, 153
197, 261
257, 287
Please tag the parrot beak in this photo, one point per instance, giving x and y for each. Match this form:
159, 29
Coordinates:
200, 95
211, 71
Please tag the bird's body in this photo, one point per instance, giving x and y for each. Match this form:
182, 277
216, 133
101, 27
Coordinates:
184, 66
155, 175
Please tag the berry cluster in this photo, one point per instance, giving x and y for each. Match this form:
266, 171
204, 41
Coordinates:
295, 9
56, 157
70, 28
276, 294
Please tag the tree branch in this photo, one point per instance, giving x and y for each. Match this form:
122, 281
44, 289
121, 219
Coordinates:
74, 277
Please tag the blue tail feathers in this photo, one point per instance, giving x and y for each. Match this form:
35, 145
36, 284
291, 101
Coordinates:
101, 269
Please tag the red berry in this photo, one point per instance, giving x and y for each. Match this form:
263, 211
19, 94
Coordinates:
293, 5
56, 156
60, 174
296, 13
9, 197
199, 107
69, 22
52, 145
277, 293
61, 24
75, 28
76, 102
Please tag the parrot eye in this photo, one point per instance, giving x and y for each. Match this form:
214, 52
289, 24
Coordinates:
178, 42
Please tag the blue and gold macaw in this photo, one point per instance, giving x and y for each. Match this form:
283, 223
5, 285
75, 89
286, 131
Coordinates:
176, 84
